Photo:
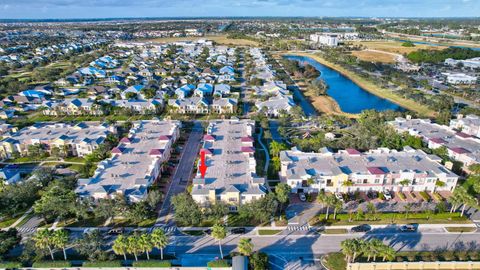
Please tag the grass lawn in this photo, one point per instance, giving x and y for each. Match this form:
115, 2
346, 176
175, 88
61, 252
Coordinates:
335, 261
194, 233
373, 88
268, 232
122, 222
8, 221
335, 231
395, 218
460, 229
75, 159
374, 56
91, 222
394, 46
221, 39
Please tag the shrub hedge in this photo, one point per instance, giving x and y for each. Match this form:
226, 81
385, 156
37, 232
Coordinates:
10, 265
152, 263
102, 264
52, 264
218, 263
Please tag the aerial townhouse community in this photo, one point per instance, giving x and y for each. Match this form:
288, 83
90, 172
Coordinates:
135, 163
76, 140
376, 170
460, 146
229, 150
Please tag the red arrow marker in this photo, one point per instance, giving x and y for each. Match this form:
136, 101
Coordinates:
203, 166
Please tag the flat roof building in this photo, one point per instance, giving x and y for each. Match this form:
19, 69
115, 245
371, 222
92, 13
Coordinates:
135, 163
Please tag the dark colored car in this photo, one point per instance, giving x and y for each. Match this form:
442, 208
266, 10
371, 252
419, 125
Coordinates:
208, 231
408, 228
362, 228
116, 231
238, 231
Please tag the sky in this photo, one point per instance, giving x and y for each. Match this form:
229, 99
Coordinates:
64, 9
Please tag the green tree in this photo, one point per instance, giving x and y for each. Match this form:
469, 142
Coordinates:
219, 232
133, 246
60, 240
120, 245
276, 148
145, 244
282, 192
187, 211
44, 240
245, 246
259, 261
47, 205
159, 240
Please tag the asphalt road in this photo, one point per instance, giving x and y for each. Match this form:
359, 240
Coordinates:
182, 174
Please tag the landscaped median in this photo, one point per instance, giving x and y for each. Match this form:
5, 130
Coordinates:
390, 218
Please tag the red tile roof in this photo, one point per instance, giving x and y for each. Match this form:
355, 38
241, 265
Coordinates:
208, 137
247, 149
352, 151
247, 139
117, 150
125, 140
375, 170
164, 138
459, 150
438, 140
207, 151
463, 135
156, 152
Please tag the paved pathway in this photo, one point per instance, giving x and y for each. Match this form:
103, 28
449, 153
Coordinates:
182, 174
267, 156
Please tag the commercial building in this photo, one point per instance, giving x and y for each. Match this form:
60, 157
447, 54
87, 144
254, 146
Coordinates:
350, 170
230, 176
135, 163
459, 145
325, 39
76, 140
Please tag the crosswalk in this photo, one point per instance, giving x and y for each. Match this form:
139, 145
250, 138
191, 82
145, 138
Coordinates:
298, 228
170, 229
26, 230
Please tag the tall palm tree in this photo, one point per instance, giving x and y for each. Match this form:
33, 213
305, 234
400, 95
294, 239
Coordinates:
376, 247
132, 245
219, 232
388, 253
44, 240
120, 246
60, 240
159, 240
358, 247
145, 244
245, 246
348, 249
337, 206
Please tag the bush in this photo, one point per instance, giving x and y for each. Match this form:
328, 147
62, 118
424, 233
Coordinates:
218, 264
448, 255
401, 195
152, 263
52, 264
335, 261
10, 265
437, 197
97, 264
425, 196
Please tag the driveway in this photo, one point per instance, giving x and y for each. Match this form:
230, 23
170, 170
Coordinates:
182, 174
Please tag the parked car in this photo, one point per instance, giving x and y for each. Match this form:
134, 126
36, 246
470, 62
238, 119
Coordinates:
372, 194
116, 231
361, 228
208, 231
238, 231
302, 197
339, 196
387, 195
408, 228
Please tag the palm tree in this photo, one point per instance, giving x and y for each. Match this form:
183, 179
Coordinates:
388, 253
44, 240
337, 206
455, 200
245, 246
405, 182
347, 183
376, 247
219, 232
145, 244
132, 245
120, 246
407, 207
438, 184
60, 240
159, 240
358, 247
347, 249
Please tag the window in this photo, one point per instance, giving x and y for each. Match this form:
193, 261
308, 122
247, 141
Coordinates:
377, 181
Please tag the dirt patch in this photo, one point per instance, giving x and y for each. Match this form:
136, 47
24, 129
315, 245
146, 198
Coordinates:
394, 46
223, 40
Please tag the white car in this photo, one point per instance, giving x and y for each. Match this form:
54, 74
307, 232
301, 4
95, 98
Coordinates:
387, 195
302, 197
339, 196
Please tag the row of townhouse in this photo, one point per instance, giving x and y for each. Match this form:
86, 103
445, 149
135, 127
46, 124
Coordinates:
200, 105
77, 140
87, 106
229, 149
470, 124
460, 146
135, 164
277, 98
376, 170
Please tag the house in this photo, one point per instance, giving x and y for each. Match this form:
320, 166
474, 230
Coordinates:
9, 175
460, 78
227, 70
136, 89
222, 90
77, 106
136, 163
274, 106
229, 155
184, 91
203, 90
191, 105
224, 105
376, 170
